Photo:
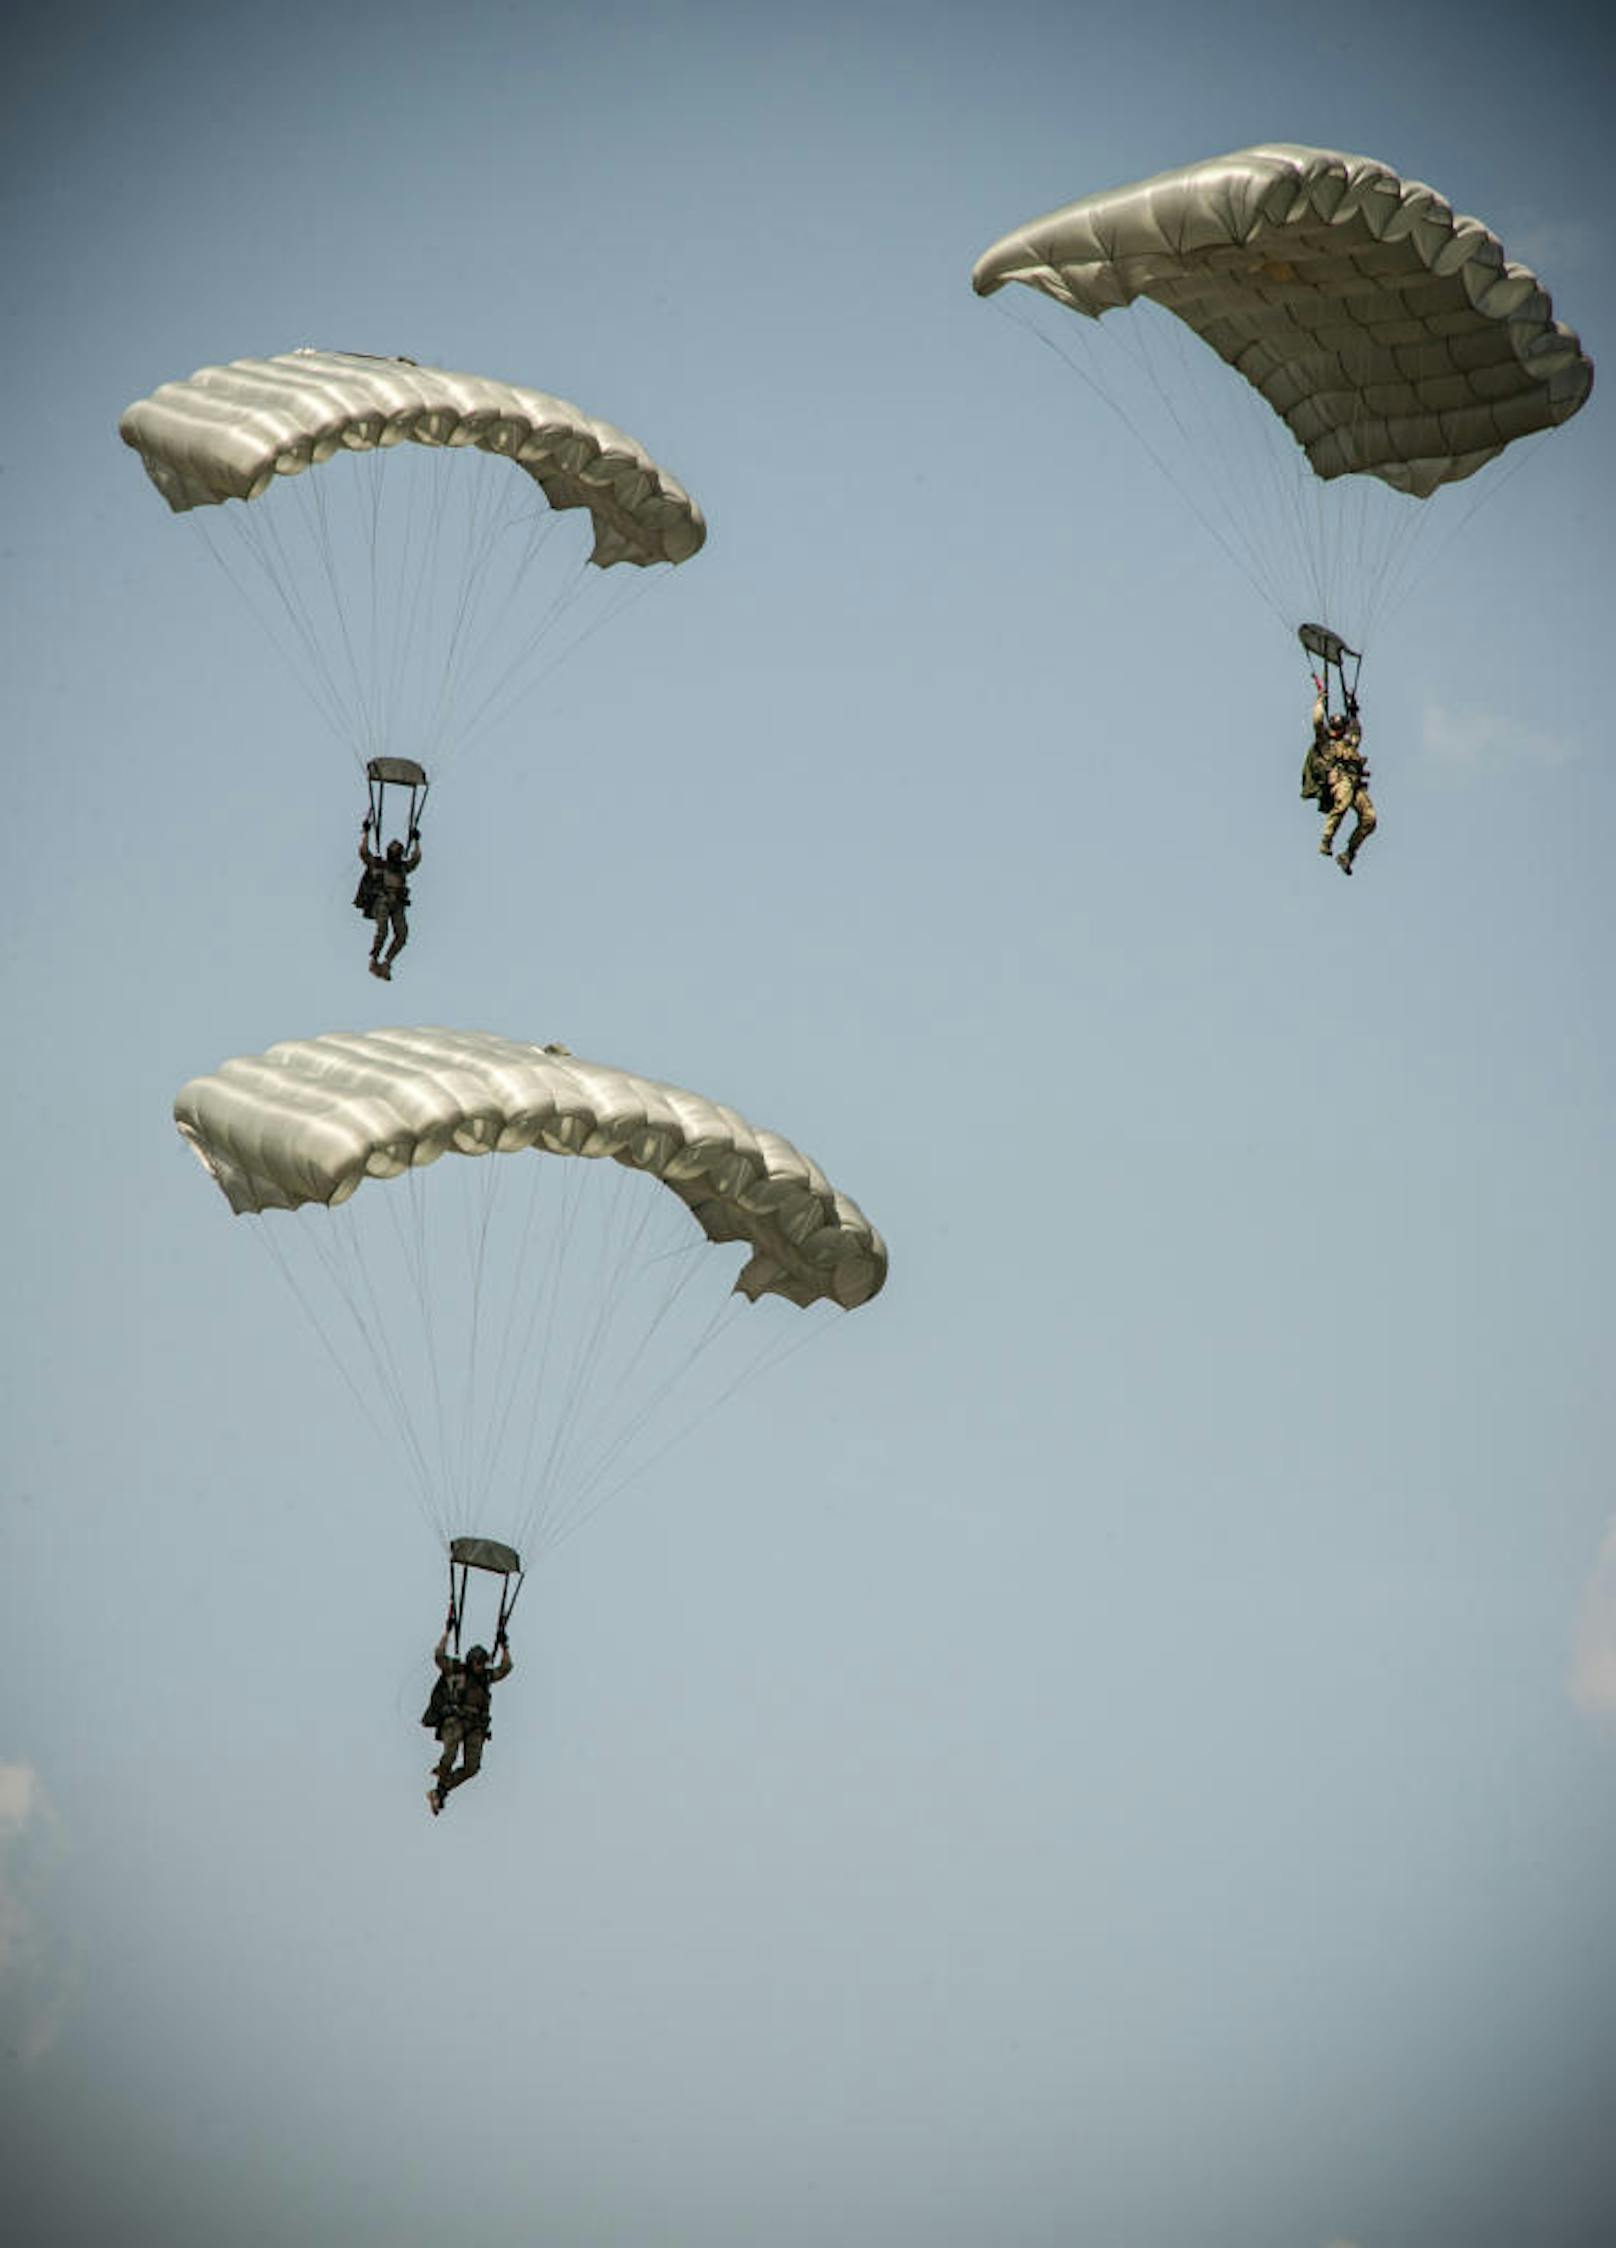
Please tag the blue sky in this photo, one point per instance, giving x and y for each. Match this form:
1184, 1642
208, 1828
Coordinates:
1112, 1742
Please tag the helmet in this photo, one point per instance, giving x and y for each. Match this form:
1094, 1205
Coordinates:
1338, 724
395, 849
476, 1657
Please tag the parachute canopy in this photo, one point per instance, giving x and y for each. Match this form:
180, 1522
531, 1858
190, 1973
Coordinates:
229, 432
1393, 337
312, 1119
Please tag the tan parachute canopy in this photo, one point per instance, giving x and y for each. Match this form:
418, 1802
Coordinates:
311, 1120
228, 432
1392, 336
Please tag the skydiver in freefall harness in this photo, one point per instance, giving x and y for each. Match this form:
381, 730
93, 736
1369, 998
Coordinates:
1334, 771
459, 1712
384, 892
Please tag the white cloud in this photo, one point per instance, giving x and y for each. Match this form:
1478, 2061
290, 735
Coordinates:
1467, 740
1593, 1664
19, 1787
34, 1982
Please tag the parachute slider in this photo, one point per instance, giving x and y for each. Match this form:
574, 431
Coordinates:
502, 1561
1328, 646
383, 773
1333, 652
403, 772
486, 1553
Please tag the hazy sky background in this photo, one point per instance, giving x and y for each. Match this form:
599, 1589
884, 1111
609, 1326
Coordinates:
1111, 1745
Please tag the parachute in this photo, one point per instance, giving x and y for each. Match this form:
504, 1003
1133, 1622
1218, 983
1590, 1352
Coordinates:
521, 1337
228, 432
396, 522
1392, 337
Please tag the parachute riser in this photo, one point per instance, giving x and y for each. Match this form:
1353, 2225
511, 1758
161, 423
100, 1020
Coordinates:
507, 1603
457, 1607
1334, 655
508, 1593
400, 774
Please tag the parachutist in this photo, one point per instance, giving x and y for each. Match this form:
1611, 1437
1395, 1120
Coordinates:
459, 1712
1334, 772
371, 641
384, 893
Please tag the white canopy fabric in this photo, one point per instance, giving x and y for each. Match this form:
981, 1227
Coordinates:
1394, 338
228, 432
312, 1119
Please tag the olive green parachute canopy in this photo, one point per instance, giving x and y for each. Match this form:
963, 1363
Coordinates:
311, 1120
1392, 336
228, 432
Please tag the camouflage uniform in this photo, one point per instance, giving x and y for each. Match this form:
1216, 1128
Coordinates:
459, 1737
1336, 774
390, 894
465, 1728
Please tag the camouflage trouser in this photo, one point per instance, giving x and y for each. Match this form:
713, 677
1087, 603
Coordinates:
457, 1736
381, 913
1343, 796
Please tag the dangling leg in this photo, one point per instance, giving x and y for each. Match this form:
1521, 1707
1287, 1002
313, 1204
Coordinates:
379, 924
401, 937
1338, 796
450, 1737
1366, 826
471, 1757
